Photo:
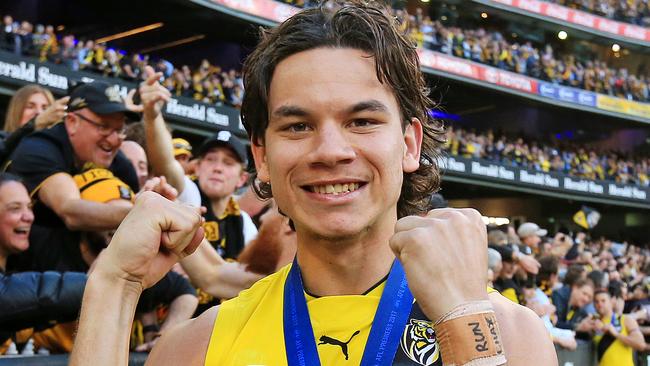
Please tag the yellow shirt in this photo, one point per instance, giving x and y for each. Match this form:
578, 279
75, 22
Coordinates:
617, 353
249, 329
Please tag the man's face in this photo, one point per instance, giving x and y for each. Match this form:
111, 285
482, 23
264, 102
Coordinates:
220, 173
95, 138
532, 241
138, 158
603, 303
16, 217
581, 296
334, 149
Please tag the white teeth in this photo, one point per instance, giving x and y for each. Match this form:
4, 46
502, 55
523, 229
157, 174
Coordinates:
335, 189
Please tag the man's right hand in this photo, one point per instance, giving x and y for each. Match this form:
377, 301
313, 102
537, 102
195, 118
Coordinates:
153, 95
154, 235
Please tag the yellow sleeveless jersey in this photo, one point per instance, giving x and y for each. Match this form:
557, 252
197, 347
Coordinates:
616, 353
249, 329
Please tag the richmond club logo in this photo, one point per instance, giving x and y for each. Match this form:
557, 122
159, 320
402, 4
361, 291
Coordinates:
419, 342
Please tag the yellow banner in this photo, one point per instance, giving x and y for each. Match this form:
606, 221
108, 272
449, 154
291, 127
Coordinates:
623, 106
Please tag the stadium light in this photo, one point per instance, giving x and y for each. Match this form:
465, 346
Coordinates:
498, 221
484, 15
129, 32
616, 47
562, 35
425, 1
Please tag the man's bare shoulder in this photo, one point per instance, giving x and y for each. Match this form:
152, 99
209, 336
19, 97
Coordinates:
526, 340
186, 343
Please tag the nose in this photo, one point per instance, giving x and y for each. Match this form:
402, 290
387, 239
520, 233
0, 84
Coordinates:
28, 216
332, 146
114, 138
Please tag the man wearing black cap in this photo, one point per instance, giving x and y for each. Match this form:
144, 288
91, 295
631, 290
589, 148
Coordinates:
89, 137
221, 170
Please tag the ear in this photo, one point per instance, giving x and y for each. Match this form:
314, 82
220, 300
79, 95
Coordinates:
71, 123
242, 178
259, 155
412, 146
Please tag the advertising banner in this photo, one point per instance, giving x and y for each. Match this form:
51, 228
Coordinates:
267, 9
580, 18
543, 181
18, 71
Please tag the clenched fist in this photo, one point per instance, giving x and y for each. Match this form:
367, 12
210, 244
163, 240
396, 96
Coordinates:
155, 235
444, 255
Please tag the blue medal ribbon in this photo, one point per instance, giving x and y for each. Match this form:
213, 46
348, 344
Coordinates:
387, 326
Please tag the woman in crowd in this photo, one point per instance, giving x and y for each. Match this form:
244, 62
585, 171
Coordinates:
32, 102
31, 108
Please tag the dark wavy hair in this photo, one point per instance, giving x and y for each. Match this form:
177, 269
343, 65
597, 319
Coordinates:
369, 27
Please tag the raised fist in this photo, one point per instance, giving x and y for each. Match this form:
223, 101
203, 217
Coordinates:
154, 235
444, 255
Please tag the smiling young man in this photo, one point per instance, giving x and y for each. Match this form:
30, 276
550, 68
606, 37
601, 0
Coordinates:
337, 111
89, 137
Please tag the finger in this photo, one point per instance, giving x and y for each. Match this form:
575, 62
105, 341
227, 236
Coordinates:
182, 224
410, 222
152, 75
199, 235
63, 101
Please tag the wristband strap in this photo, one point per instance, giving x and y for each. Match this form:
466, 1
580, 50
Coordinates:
469, 335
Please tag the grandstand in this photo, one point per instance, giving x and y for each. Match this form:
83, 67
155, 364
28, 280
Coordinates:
547, 103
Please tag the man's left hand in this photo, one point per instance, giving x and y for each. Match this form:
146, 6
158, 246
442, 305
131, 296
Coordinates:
444, 255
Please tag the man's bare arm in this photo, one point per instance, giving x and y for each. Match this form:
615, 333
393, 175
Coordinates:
185, 344
105, 321
525, 339
59, 192
181, 309
159, 141
150, 240
634, 338
208, 271
160, 152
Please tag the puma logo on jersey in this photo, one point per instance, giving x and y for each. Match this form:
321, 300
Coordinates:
344, 345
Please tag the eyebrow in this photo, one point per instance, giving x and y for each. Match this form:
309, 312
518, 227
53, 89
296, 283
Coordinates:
289, 111
371, 105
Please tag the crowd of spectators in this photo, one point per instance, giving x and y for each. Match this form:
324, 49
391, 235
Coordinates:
567, 158
490, 47
563, 286
207, 83
66, 234
629, 11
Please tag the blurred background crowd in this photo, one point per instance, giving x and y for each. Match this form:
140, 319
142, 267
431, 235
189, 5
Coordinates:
585, 280
572, 159
204, 82
629, 11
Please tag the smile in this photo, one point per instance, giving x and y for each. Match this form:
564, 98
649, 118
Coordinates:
335, 189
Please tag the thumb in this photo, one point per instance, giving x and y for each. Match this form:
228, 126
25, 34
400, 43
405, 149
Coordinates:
64, 100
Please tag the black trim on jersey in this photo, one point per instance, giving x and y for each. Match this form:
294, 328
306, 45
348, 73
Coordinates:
364, 293
83, 188
604, 344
